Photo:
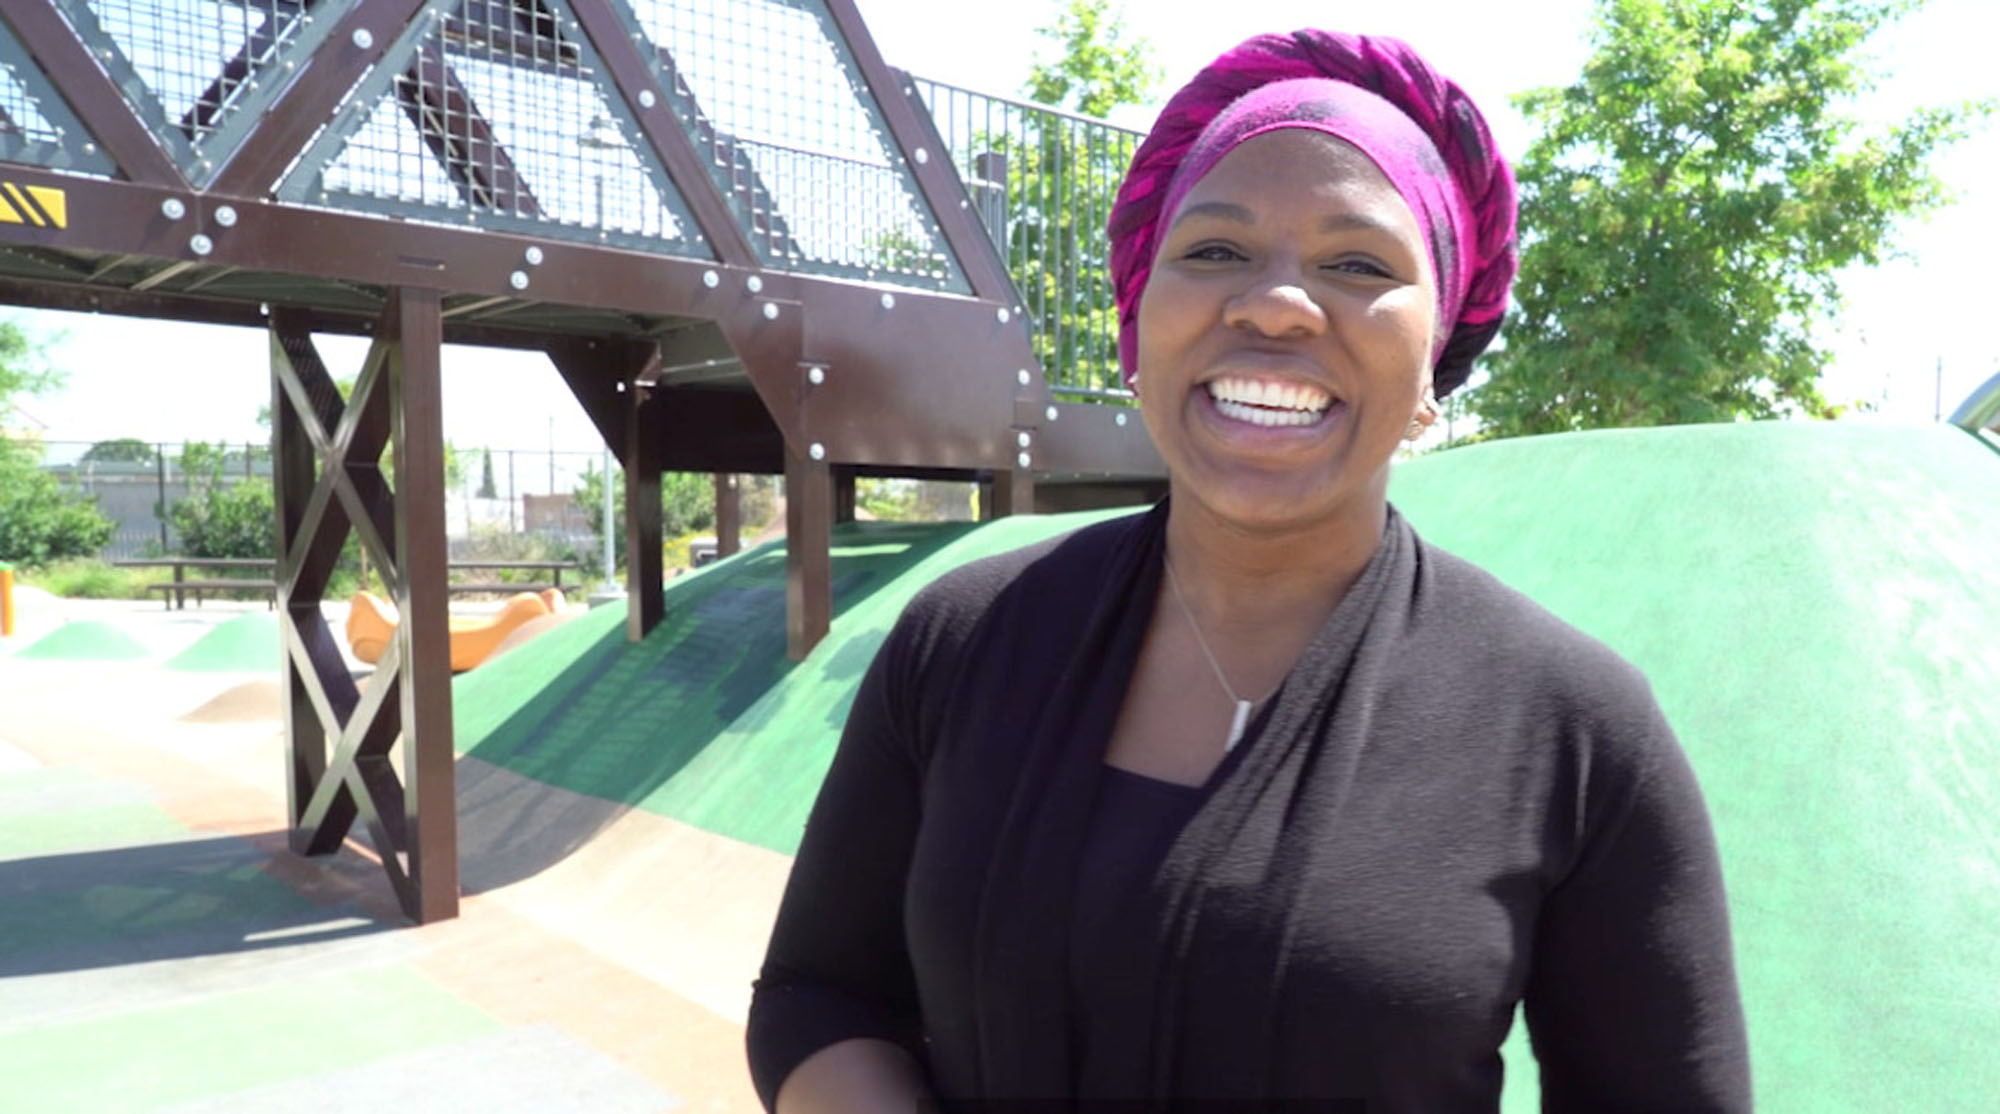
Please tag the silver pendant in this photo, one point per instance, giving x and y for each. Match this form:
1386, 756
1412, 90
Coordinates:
1237, 725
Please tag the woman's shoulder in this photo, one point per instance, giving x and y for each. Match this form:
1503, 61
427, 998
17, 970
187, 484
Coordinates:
1046, 574
1514, 648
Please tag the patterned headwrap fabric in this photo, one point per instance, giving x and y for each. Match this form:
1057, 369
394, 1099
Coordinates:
1375, 93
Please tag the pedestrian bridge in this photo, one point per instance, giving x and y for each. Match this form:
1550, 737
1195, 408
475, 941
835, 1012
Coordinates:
744, 241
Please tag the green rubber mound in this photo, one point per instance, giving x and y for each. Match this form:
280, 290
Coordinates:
85, 640
1818, 608
706, 720
245, 643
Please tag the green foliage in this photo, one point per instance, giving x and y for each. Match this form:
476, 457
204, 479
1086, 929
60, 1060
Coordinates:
39, 522
687, 504
24, 369
486, 488
1062, 175
220, 518
122, 450
1687, 208
88, 578
1097, 64
887, 500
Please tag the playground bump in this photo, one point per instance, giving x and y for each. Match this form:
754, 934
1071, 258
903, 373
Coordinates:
1813, 605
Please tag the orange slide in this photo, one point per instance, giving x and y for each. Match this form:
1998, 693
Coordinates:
371, 623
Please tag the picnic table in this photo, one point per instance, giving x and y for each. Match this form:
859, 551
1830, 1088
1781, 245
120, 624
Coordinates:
174, 593
554, 569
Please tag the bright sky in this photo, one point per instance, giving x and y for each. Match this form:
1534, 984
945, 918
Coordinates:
131, 377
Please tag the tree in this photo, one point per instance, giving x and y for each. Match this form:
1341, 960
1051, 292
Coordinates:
121, 450
1688, 207
687, 503
39, 522
486, 488
221, 518
1062, 175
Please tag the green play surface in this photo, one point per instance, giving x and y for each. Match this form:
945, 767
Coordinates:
247, 642
1814, 604
85, 640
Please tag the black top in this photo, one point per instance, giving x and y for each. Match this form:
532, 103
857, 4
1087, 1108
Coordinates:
1454, 803
1135, 819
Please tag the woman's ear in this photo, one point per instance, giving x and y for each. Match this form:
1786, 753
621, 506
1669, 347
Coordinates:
1426, 413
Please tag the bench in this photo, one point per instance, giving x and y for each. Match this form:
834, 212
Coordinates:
174, 593
181, 589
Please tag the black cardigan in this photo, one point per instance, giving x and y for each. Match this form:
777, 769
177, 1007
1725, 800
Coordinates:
1455, 802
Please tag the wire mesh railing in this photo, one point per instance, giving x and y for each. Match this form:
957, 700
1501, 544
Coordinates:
770, 93
1043, 181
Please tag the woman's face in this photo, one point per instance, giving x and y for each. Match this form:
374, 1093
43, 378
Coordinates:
1285, 334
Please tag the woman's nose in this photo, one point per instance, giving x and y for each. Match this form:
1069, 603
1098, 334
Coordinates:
1276, 307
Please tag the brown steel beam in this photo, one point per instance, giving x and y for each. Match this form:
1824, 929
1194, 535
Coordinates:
936, 177
324, 78
414, 331
1013, 493
99, 105
645, 591
445, 115
675, 150
395, 402
843, 494
923, 381
808, 553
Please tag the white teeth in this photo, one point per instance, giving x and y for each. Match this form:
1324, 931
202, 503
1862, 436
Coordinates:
1284, 398
1258, 415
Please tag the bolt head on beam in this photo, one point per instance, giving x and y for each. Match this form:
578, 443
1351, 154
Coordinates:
1024, 459
888, 301
647, 99
1022, 377
1051, 414
816, 375
770, 311
200, 244
1121, 420
225, 215
817, 451
363, 38
710, 279
754, 284
533, 255
1002, 315
1022, 439
173, 208
518, 280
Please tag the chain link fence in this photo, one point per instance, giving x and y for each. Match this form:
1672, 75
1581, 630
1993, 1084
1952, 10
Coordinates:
499, 503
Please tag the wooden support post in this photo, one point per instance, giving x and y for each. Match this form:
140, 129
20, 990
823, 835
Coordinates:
594, 369
728, 514
808, 552
1011, 492
413, 327
645, 592
843, 494
397, 404
292, 456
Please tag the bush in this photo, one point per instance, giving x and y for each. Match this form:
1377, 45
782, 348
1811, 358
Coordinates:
39, 523
88, 578
220, 519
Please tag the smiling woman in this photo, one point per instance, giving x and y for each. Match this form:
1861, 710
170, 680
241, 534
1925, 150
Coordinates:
1257, 799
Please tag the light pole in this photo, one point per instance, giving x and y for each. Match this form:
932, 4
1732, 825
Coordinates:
602, 135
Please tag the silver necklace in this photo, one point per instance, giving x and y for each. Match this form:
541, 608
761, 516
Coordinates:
1243, 707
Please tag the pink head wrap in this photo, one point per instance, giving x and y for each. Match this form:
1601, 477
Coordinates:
1374, 93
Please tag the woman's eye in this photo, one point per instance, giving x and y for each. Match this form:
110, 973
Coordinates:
1216, 253
1366, 267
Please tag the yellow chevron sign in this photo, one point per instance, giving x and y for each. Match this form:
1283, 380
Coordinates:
41, 206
